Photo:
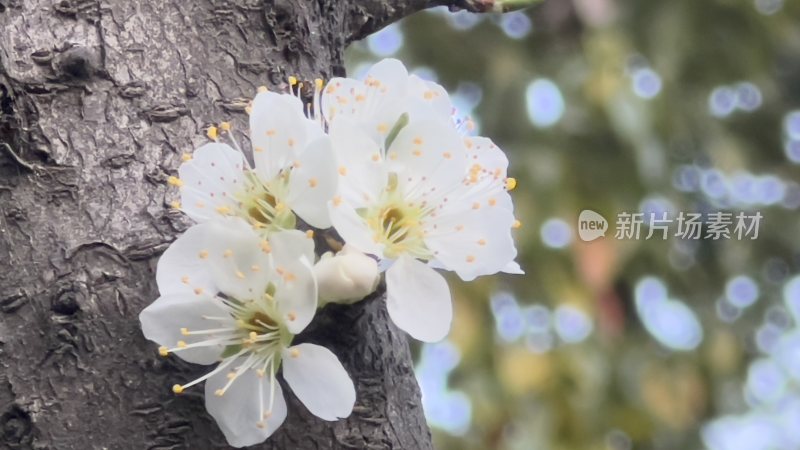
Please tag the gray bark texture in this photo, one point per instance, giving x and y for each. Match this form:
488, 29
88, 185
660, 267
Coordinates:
98, 100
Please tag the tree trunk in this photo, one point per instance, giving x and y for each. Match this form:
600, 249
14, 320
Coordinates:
98, 100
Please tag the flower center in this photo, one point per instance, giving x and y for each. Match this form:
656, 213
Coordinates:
261, 205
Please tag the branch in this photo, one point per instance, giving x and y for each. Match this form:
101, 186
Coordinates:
368, 16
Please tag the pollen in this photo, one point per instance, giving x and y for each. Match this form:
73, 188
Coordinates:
360, 98
184, 331
198, 291
185, 279
292, 81
230, 375
337, 200
181, 344
482, 242
294, 353
212, 133
417, 141
492, 202
516, 224
383, 128
219, 392
175, 205
468, 143
186, 157
262, 89
239, 275
258, 149
265, 247
470, 258
429, 95
342, 170
203, 254
178, 389
376, 157
175, 181
511, 183
447, 155
476, 205
417, 152
312, 182
163, 351
224, 210
248, 109
310, 234
318, 83
225, 126
227, 253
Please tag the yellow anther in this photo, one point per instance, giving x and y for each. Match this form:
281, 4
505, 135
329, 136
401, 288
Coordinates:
417, 152
255, 268
186, 157
318, 83
447, 155
376, 157
516, 224
476, 205
181, 344
492, 202
219, 392
294, 353
175, 181
417, 141
289, 277
393, 155
163, 351
337, 200
225, 126
360, 98
198, 291
383, 128
265, 247
270, 133
428, 95
261, 372
296, 164
260, 424
459, 227
312, 182
175, 205
291, 316
185, 331
248, 109
310, 234
511, 183
178, 389
280, 207
262, 89
230, 375
185, 279
227, 253
258, 149
468, 142
470, 258
203, 254
290, 142
253, 335
342, 170
482, 242
292, 81
239, 275
212, 133
224, 210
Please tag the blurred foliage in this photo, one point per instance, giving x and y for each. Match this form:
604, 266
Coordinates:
678, 105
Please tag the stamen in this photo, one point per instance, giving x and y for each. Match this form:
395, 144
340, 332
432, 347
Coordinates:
212, 133
175, 181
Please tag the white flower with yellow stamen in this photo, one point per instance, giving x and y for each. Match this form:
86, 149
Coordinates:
228, 296
423, 197
294, 170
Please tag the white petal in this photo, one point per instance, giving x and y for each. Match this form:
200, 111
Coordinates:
278, 130
473, 242
296, 287
181, 268
210, 180
313, 183
353, 228
238, 411
362, 172
163, 319
318, 379
236, 260
428, 99
418, 300
513, 268
429, 157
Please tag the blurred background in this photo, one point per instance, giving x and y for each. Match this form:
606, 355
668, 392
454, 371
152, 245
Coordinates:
624, 106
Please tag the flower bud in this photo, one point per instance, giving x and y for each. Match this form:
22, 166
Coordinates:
347, 277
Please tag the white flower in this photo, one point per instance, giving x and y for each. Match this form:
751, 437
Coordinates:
231, 297
347, 277
294, 171
423, 197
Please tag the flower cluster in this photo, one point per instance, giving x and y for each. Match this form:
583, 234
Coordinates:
383, 162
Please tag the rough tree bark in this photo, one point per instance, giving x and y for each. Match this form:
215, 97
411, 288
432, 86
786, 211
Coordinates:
98, 99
